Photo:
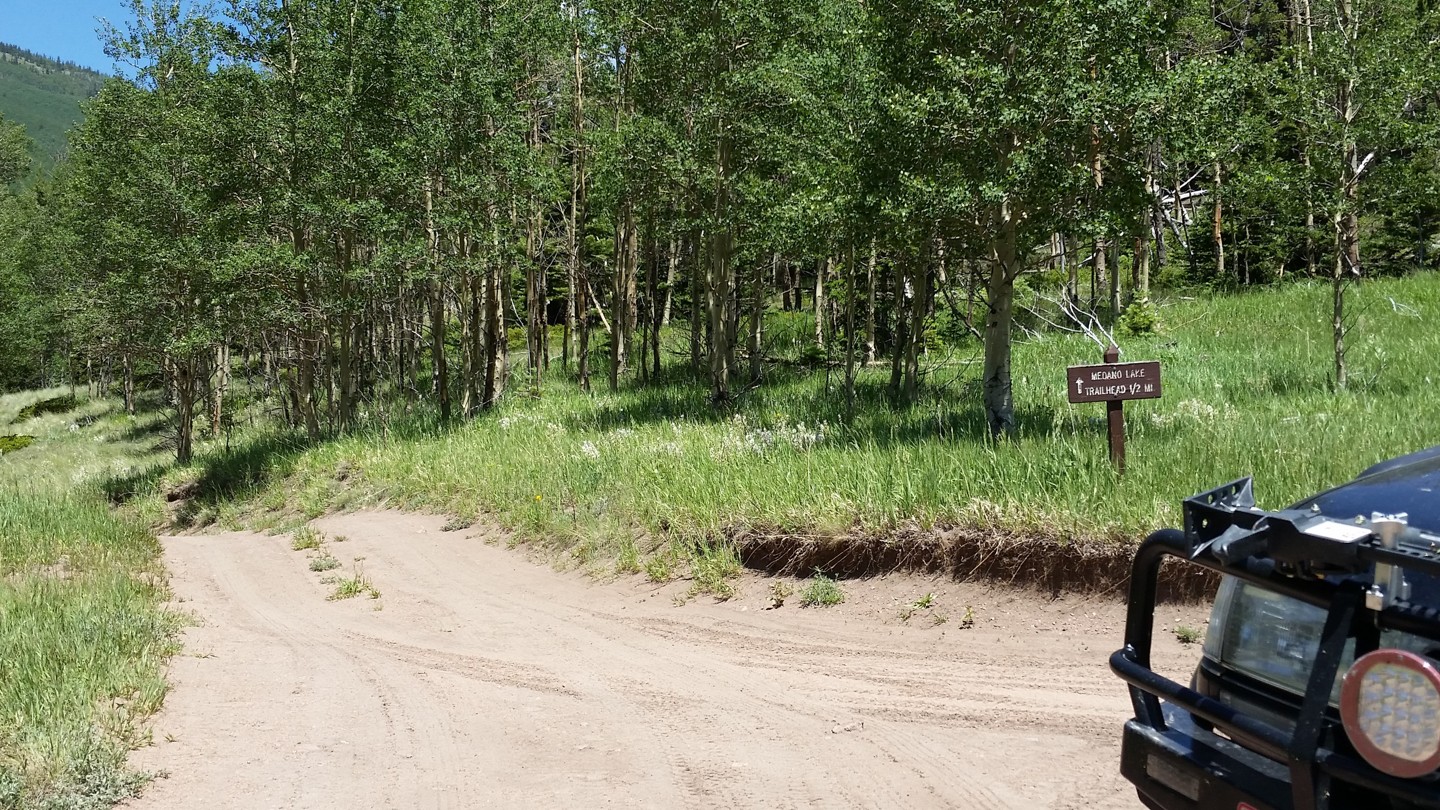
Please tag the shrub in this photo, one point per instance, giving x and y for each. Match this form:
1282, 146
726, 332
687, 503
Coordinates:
712, 567
1140, 318
352, 586
324, 562
305, 539
1187, 635
658, 569
821, 592
44, 406
9, 444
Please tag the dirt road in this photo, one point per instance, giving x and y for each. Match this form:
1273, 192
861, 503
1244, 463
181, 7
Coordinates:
481, 679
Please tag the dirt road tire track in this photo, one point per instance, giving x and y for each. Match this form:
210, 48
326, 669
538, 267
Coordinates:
479, 679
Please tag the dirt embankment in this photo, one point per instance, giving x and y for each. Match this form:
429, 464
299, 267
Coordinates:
479, 679
1056, 565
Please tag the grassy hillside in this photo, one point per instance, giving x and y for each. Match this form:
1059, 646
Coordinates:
649, 479
621, 478
43, 95
81, 627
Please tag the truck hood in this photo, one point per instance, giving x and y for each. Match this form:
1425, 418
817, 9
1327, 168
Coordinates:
1409, 484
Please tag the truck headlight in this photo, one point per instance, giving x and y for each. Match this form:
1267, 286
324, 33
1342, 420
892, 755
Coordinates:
1267, 636
1390, 705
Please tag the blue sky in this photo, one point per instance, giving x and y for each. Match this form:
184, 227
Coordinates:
64, 29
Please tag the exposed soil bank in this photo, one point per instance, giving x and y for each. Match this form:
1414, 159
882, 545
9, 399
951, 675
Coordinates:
1053, 565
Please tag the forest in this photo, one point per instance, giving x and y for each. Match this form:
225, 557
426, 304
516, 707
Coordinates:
437, 201
667, 290
44, 96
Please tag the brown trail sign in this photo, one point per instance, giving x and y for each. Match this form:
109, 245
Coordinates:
1113, 383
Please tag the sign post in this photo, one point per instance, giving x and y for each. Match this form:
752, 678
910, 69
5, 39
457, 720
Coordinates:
1113, 383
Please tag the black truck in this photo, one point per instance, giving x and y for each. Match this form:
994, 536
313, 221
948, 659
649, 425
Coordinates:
1319, 682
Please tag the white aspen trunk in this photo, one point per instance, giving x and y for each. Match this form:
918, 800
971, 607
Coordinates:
672, 258
721, 278
757, 311
1346, 219
822, 269
850, 333
439, 372
129, 383
870, 282
222, 386
1218, 231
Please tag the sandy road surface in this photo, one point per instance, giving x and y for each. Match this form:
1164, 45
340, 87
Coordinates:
480, 679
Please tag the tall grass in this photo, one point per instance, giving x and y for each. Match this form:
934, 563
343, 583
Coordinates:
645, 479
1247, 392
82, 636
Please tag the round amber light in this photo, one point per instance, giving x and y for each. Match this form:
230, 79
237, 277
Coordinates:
1390, 704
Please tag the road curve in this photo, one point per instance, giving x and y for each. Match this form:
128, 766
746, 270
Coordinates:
481, 679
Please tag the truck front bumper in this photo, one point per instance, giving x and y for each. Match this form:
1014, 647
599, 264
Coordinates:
1185, 767
1177, 765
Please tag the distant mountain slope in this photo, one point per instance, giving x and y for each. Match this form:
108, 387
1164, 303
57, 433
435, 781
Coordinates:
44, 95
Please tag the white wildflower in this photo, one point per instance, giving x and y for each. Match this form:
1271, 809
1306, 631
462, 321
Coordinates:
1189, 410
743, 440
589, 450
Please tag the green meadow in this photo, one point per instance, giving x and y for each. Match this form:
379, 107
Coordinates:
616, 477
83, 638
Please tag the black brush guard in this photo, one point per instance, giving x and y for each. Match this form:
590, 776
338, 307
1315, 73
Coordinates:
1175, 762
